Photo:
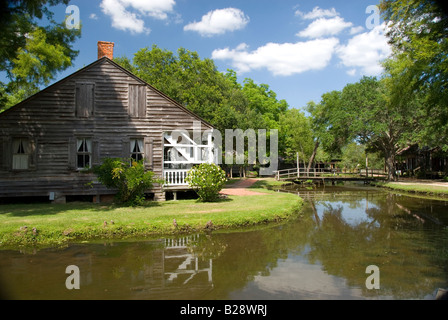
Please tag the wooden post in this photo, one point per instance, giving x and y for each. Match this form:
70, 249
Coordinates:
367, 166
298, 166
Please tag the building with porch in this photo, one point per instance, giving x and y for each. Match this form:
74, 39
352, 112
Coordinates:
101, 111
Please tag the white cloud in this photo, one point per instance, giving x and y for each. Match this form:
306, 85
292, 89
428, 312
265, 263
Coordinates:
219, 21
325, 27
351, 72
283, 59
318, 13
365, 51
93, 16
128, 15
355, 30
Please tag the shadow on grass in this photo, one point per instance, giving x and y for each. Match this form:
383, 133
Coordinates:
263, 184
30, 209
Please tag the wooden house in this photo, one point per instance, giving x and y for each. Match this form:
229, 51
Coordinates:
100, 111
424, 161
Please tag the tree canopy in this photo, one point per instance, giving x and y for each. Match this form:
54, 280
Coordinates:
32, 54
215, 96
418, 68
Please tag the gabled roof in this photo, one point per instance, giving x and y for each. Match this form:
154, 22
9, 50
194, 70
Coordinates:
97, 62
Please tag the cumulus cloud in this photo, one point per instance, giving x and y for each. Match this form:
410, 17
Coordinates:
356, 30
128, 15
281, 59
357, 50
365, 51
219, 21
318, 13
325, 27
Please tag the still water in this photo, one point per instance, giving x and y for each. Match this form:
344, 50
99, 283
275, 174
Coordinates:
323, 254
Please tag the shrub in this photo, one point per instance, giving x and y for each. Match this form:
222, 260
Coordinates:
128, 177
207, 180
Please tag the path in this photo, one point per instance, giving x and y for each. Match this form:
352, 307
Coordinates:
240, 188
421, 182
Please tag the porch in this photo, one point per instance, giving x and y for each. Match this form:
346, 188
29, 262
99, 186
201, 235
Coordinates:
181, 153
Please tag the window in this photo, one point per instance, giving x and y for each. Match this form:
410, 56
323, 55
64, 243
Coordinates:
20, 156
137, 101
84, 153
84, 99
137, 151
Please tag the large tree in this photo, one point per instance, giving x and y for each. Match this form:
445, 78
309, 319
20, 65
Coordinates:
363, 112
31, 54
418, 33
190, 80
296, 135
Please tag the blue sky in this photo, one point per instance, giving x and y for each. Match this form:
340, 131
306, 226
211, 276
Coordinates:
300, 48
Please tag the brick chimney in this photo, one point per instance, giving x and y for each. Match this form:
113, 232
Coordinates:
105, 49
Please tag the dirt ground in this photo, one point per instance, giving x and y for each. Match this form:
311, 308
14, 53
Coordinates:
422, 182
239, 188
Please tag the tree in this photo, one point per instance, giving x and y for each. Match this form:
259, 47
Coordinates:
263, 101
418, 33
30, 54
295, 135
186, 78
364, 113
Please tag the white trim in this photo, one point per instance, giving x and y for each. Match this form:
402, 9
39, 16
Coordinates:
175, 177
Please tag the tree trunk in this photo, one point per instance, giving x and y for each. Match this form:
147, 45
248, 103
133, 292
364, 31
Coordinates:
390, 163
313, 155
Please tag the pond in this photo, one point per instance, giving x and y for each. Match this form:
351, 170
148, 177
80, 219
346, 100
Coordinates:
323, 254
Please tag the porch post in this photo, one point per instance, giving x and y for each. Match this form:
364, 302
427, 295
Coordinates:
210, 147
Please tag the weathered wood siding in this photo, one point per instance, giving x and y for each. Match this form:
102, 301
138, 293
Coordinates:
54, 118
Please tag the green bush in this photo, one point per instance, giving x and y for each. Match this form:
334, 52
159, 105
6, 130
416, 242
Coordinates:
207, 180
128, 177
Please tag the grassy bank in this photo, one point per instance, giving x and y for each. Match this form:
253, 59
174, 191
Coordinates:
416, 187
75, 222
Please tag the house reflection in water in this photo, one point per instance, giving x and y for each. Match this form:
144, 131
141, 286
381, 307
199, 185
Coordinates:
173, 267
157, 269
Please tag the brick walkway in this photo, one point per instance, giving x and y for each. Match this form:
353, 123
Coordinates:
239, 188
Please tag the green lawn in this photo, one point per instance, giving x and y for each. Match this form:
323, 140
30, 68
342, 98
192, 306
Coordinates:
417, 187
62, 223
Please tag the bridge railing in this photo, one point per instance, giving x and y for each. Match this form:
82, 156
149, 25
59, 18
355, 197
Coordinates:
321, 172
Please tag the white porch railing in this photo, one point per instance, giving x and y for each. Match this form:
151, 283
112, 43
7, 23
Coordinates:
175, 177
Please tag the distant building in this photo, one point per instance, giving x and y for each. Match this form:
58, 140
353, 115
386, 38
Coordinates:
423, 161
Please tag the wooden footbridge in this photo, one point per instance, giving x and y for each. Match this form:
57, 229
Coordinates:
322, 175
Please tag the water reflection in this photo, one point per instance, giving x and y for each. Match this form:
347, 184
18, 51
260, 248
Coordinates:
323, 254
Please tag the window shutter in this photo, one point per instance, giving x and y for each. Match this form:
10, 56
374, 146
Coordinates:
142, 101
148, 153
72, 154
96, 158
125, 148
85, 96
137, 101
2, 152
32, 154
6, 155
